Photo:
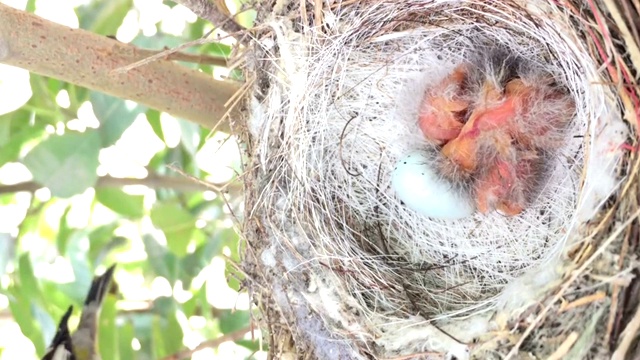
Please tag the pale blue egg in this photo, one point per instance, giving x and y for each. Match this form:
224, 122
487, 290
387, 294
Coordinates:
421, 189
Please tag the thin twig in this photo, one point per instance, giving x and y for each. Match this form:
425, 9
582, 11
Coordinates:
615, 292
303, 12
195, 180
632, 19
564, 348
317, 14
597, 296
168, 54
574, 276
630, 333
152, 181
631, 45
162, 54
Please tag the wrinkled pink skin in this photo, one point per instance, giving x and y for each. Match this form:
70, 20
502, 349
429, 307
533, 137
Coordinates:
500, 141
439, 119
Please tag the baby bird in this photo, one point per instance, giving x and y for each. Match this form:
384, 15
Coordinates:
495, 121
443, 107
81, 345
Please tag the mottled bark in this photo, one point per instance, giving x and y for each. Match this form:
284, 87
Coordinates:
89, 60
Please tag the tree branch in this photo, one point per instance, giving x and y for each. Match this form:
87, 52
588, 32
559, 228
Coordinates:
152, 181
87, 59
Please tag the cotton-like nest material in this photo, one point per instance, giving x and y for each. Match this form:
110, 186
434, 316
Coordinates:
352, 269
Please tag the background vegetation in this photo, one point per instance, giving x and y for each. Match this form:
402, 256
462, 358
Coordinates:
87, 180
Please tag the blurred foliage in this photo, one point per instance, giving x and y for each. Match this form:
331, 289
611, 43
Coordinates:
168, 235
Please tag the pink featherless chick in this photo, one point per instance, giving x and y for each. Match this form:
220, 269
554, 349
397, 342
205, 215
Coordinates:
495, 119
503, 140
443, 108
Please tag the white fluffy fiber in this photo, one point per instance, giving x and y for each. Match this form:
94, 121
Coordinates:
342, 110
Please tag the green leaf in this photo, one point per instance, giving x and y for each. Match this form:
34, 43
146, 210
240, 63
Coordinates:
177, 158
217, 50
29, 225
157, 339
21, 133
121, 202
20, 307
204, 310
253, 345
64, 232
5, 130
76, 253
153, 117
204, 208
196, 30
28, 283
66, 164
172, 334
231, 321
158, 163
78, 94
190, 136
101, 240
103, 17
23, 303
245, 18
7, 252
43, 100
31, 6
108, 334
57, 299
162, 41
193, 263
167, 332
115, 116
54, 86
46, 323
162, 262
144, 325
164, 305
199, 238
189, 307
189, 162
125, 338
177, 225
159, 41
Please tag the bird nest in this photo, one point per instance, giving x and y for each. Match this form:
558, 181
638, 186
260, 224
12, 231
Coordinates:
343, 268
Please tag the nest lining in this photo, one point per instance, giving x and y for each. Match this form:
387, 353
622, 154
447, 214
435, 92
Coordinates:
340, 110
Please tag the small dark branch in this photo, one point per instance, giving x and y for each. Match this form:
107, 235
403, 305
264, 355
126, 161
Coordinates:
28, 186
213, 343
211, 12
152, 181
